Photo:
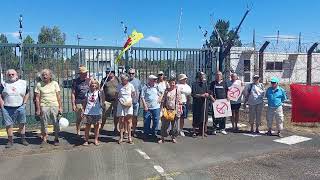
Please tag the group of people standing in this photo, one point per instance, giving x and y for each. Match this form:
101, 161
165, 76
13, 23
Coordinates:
122, 97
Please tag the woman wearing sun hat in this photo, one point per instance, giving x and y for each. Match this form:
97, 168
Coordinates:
185, 90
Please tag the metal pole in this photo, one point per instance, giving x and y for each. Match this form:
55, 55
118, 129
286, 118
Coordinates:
309, 62
263, 47
21, 45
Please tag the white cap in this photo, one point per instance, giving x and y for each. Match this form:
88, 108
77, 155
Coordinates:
182, 76
160, 72
152, 77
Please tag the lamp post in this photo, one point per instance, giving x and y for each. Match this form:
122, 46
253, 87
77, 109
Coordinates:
20, 45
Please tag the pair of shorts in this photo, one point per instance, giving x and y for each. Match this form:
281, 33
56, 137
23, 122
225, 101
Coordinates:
13, 115
92, 119
123, 110
79, 110
49, 114
185, 111
235, 106
135, 109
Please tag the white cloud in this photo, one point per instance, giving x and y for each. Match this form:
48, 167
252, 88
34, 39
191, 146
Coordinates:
15, 35
153, 39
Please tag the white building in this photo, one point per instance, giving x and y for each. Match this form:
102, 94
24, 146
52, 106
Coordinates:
289, 67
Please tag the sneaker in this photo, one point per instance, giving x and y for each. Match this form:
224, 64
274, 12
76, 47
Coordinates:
269, 133
214, 132
9, 145
56, 142
182, 134
224, 132
280, 135
24, 142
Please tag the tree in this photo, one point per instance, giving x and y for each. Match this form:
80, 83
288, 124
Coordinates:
50, 36
53, 35
28, 40
222, 27
8, 59
3, 38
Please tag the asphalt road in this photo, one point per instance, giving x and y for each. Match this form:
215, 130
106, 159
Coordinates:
232, 156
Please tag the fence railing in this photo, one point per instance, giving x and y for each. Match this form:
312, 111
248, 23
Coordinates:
64, 60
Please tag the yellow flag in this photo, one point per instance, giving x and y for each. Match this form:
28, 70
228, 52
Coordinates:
133, 39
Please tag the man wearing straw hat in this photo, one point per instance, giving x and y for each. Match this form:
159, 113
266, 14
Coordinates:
109, 85
80, 87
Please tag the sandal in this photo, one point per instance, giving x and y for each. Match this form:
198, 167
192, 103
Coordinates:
161, 141
85, 143
130, 141
97, 143
120, 141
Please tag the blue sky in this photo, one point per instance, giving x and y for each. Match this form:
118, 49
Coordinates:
158, 20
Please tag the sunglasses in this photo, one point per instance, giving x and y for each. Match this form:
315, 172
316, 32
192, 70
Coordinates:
131, 73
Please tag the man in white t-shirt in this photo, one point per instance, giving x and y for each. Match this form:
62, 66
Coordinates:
185, 90
13, 99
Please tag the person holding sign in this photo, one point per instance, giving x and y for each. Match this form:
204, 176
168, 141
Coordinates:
254, 94
200, 93
219, 90
235, 94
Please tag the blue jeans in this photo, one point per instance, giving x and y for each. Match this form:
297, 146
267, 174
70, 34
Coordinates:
13, 115
147, 115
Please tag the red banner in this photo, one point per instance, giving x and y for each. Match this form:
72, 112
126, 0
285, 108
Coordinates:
305, 103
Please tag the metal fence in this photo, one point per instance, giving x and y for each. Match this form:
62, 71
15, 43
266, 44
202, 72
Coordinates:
64, 60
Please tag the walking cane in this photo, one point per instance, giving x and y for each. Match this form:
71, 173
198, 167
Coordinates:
204, 116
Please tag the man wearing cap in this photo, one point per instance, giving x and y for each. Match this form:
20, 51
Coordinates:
80, 87
199, 92
254, 93
185, 90
276, 95
151, 98
13, 99
109, 85
162, 83
137, 86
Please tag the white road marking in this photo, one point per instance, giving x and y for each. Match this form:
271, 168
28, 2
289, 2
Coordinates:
160, 170
294, 139
143, 154
252, 135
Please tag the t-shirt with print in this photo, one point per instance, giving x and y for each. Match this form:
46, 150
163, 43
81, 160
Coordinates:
137, 86
125, 92
93, 105
110, 88
14, 92
47, 93
185, 90
80, 87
